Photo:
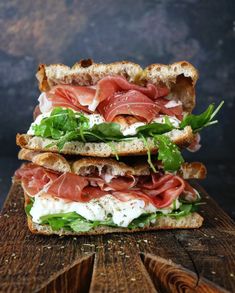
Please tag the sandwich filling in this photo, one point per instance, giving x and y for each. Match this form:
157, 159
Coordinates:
80, 203
115, 110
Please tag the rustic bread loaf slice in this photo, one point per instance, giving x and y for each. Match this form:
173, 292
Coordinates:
179, 77
93, 165
135, 146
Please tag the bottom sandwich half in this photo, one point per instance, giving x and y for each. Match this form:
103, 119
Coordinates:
67, 196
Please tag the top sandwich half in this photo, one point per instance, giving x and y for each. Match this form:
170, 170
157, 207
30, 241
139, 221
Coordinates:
114, 109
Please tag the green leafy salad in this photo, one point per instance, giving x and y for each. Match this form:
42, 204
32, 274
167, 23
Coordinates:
74, 222
64, 125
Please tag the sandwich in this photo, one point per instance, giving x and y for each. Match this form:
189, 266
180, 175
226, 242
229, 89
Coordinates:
117, 109
67, 195
104, 150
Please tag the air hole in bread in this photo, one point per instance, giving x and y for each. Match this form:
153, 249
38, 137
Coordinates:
88, 170
87, 148
86, 63
125, 74
95, 170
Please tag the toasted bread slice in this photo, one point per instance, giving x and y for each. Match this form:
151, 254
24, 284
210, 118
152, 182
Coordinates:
87, 166
179, 77
131, 147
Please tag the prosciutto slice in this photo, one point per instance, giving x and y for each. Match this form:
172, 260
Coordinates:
34, 178
68, 186
160, 191
110, 85
90, 193
131, 103
112, 96
75, 97
176, 111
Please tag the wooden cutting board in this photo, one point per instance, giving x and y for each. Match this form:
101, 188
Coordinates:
200, 260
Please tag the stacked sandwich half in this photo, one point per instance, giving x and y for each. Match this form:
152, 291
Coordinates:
104, 150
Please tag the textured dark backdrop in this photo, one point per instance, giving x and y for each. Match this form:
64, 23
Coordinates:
202, 32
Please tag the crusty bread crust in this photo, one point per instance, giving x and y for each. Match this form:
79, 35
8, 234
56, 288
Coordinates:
190, 221
89, 165
195, 170
179, 77
132, 147
47, 160
83, 166
85, 73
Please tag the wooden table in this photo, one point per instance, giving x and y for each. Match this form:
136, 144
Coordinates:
200, 260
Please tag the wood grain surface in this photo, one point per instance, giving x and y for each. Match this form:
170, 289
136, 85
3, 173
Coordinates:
200, 260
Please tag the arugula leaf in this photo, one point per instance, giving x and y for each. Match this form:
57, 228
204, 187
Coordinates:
143, 221
58, 223
155, 128
108, 131
148, 153
197, 122
68, 221
168, 153
184, 210
66, 216
29, 206
60, 123
81, 226
69, 136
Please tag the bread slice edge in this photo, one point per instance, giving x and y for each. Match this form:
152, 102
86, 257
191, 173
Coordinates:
191, 221
135, 146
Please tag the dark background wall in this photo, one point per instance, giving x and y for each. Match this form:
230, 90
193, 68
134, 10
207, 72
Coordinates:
143, 31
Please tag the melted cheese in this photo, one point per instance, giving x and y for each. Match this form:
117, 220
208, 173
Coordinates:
123, 213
